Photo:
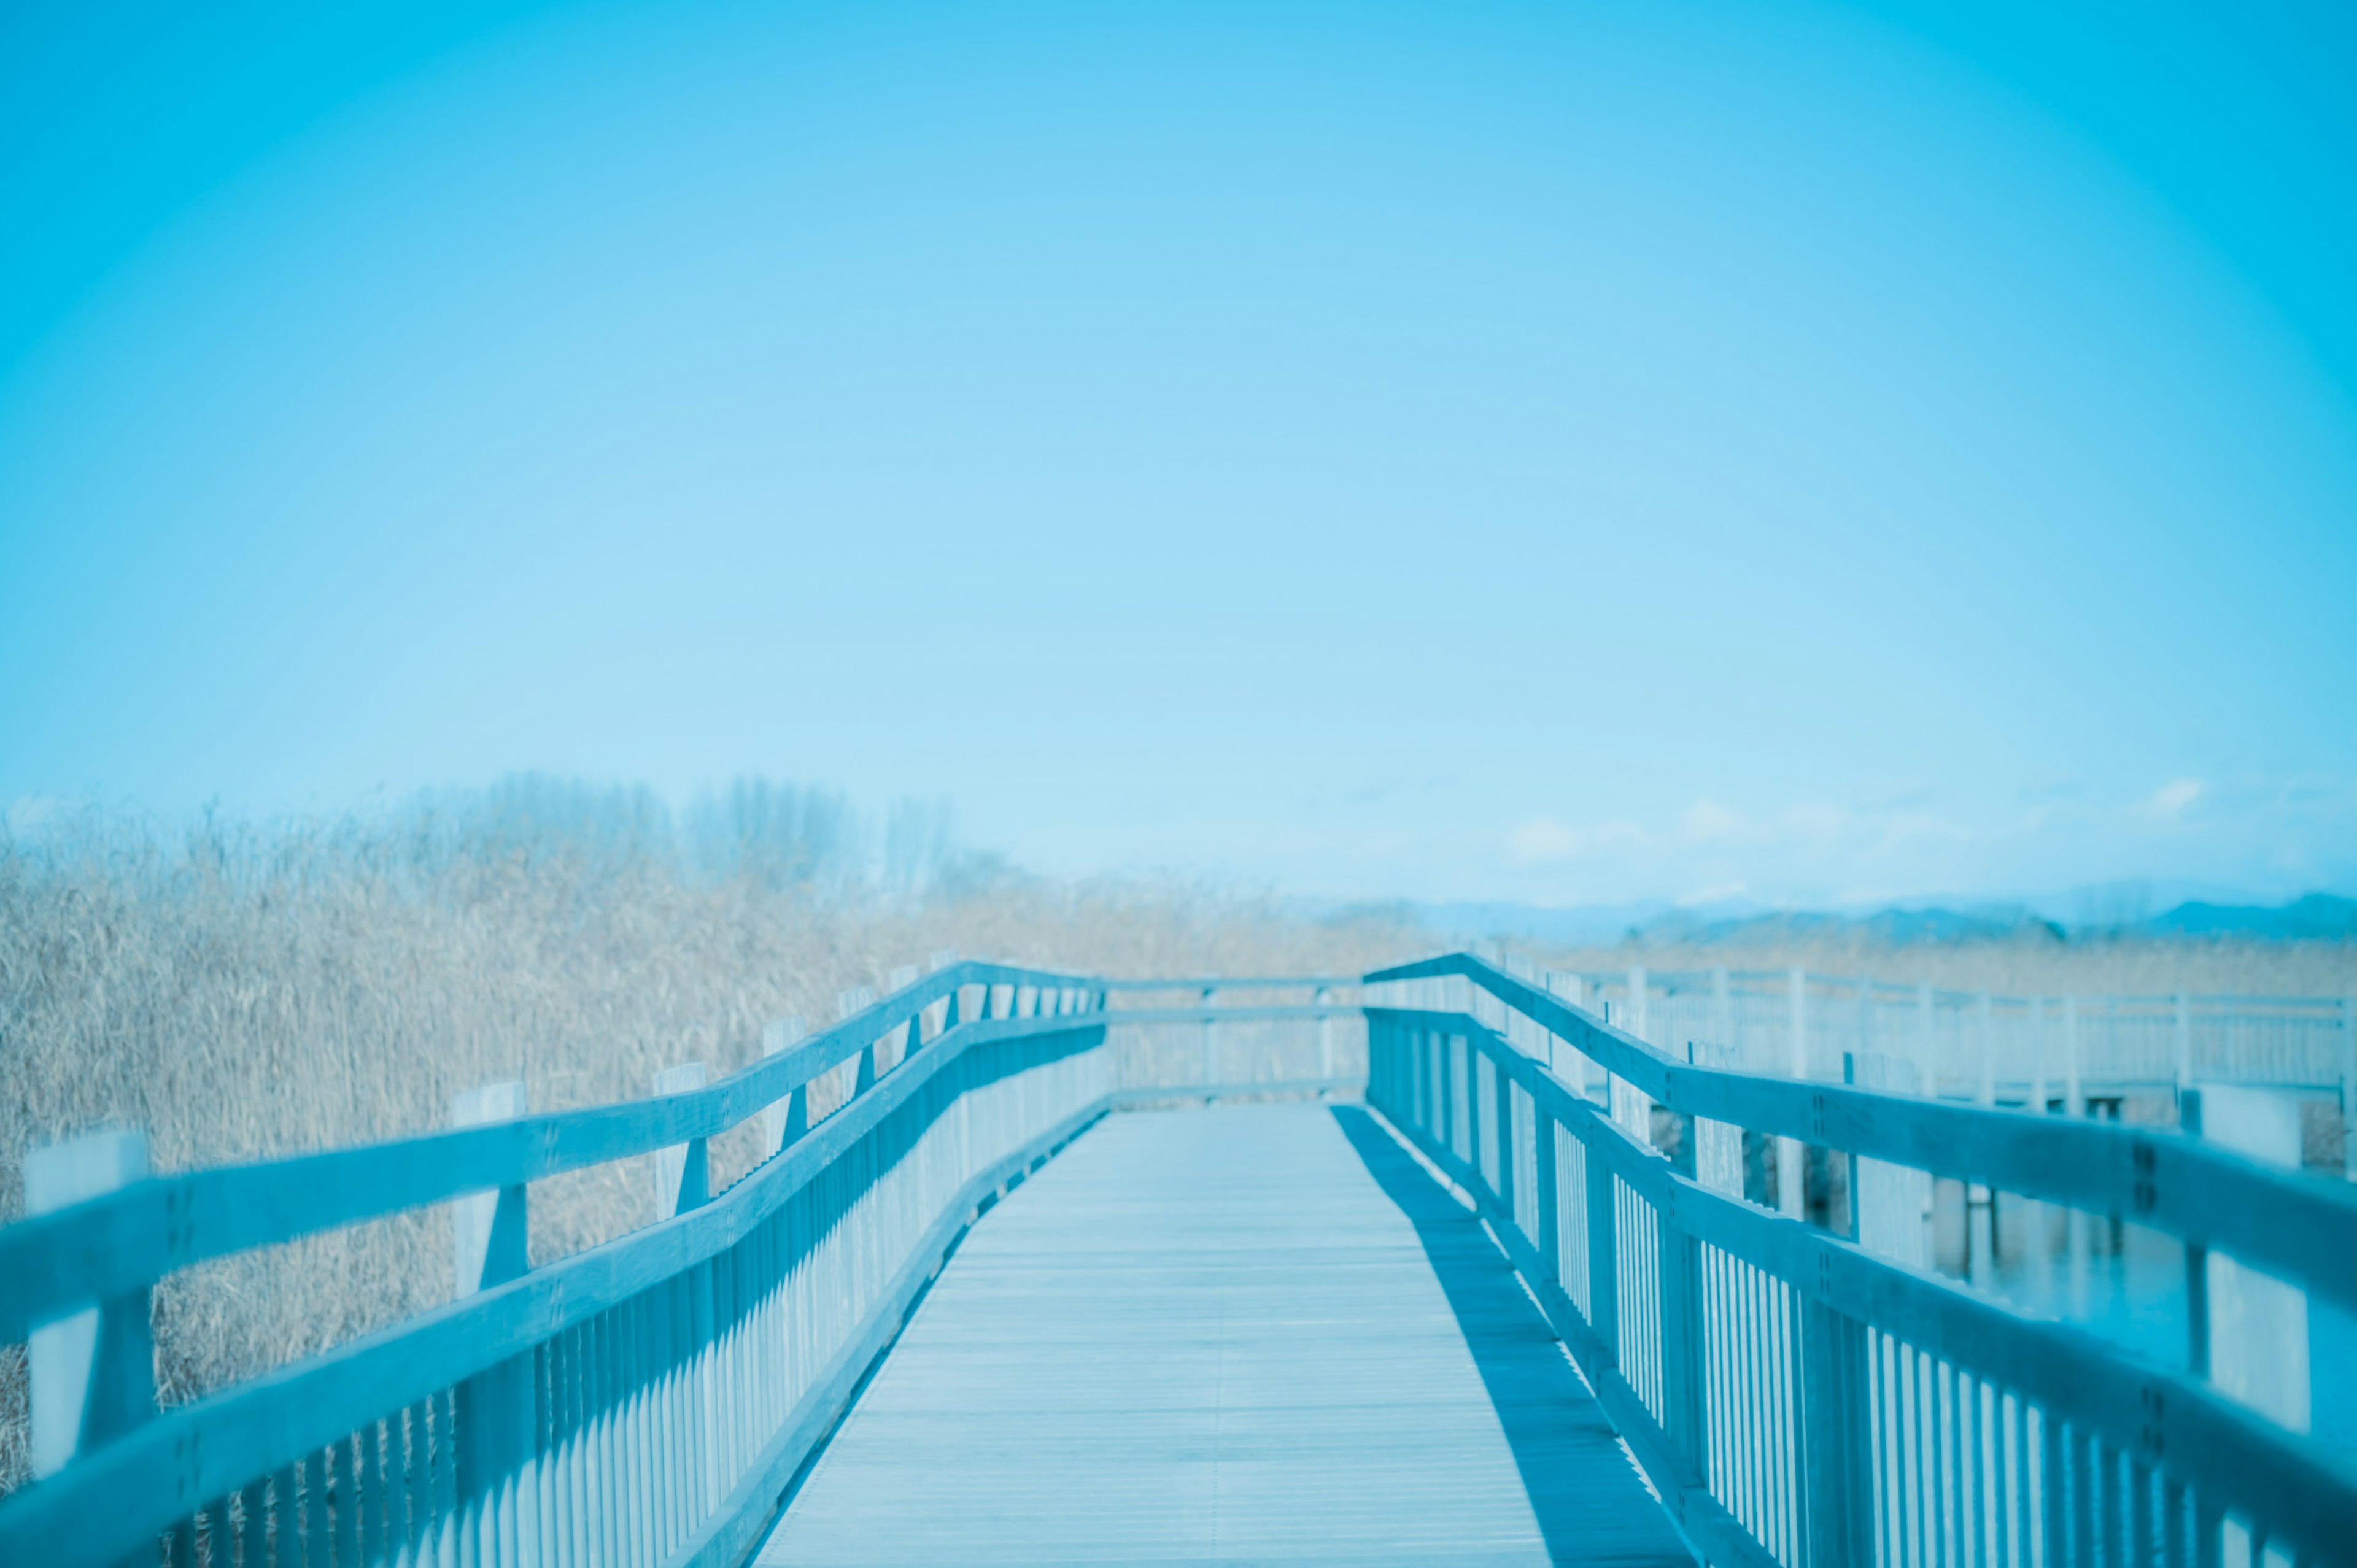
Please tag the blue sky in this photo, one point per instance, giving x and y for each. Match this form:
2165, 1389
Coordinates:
1562, 453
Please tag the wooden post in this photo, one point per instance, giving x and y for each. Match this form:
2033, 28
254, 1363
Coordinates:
2349, 1085
1927, 1040
1325, 998
788, 1119
93, 1371
1505, 1135
2259, 1353
1985, 1023
849, 1004
1629, 1107
2184, 1044
495, 1407
2036, 1056
682, 1172
1791, 1167
1443, 1128
1473, 1064
2197, 1258
1722, 1008
899, 980
1211, 1041
2074, 1098
489, 1232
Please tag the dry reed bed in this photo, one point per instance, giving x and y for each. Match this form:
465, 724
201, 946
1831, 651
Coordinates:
238, 1005
243, 1000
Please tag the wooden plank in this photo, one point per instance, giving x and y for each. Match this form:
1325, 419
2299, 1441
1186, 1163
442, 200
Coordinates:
1226, 1335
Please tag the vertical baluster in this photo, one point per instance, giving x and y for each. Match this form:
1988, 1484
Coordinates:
2175, 1543
604, 1476
2209, 1531
2025, 1477
1679, 1333
326, 1510
557, 1463
1890, 1488
2144, 1543
2003, 1505
280, 1510
1542, 1157
249, 1528
2080, 1480
392, 1450
347, 1503
2111, 1503
369, 1501
1835, 1424
1603, 1248
643, 1380
1752, 1465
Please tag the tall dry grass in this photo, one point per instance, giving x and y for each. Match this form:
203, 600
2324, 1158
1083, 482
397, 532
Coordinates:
241, 993
244, 992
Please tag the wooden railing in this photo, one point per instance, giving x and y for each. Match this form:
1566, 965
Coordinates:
1803, 1400
1981, 1045
644, 1401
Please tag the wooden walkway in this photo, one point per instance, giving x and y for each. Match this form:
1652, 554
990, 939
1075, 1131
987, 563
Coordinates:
1255, 1334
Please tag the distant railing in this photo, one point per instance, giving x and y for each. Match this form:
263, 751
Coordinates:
645, 1402
1816, 1397
2059, 1050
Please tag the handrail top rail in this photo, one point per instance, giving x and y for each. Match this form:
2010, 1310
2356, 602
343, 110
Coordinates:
59, 1262
1231, 983
1674, 980
2188, 1187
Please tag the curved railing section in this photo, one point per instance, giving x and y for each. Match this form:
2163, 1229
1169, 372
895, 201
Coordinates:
1808, 1398
648, 1401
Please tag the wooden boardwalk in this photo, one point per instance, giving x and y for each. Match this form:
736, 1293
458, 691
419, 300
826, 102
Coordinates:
1256, 1334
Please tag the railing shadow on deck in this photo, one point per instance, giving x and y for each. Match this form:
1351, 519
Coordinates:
1582, 1486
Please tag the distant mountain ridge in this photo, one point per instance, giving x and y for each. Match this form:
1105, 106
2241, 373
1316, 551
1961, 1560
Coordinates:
2316, 917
